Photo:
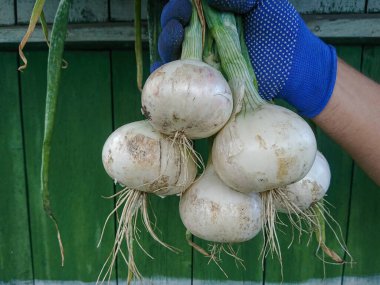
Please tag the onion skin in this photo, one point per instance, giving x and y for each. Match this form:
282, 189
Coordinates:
187, 96
212, 211
309, 190
264, 149
141, 158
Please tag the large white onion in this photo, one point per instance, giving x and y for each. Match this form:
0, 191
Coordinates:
212, 211
141, 158
187, 96
264, 149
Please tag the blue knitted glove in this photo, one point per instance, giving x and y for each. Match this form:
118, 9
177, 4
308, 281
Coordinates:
174, 17
289, 61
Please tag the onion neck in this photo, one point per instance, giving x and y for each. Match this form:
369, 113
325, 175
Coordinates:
210, 52
223, 28
192, 44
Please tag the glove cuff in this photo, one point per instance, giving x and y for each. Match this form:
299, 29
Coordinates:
312, 74
330, 84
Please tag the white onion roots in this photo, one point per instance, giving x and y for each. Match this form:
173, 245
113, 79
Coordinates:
131, 203
189, 97
321, 216
264, 149
144, 161
215, 251
303, 202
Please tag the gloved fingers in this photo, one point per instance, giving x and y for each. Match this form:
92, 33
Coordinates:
179, 10
170, 41
235, 6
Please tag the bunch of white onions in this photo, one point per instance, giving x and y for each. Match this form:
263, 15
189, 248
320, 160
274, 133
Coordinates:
264, 157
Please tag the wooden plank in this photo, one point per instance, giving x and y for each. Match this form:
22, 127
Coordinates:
338, 195
92, 34
373, 6
167, 267
345, 28
122, 10
77, 179
15, 248
364, 229
81, 11
329, 6
351, 29
7, 15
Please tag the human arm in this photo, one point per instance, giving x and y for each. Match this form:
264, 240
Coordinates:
352, 118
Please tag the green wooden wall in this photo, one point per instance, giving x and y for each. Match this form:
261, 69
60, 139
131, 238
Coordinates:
99, 94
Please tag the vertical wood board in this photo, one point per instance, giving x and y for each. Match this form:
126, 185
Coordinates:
81, 11
7, 15
122, 10
364, 229
329, 6
373, 6
77, 180
15, 248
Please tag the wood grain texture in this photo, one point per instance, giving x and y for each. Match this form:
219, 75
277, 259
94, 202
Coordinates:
15, 247
77, 179
166, 266
364, 232
373, 6
90, 35
7, 15
123, 10
81, 11
338, 29
329, 6
346, 28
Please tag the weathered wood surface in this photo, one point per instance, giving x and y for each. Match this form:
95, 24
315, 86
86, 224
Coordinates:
346, 29
362, 236
15, 247
7, 15
123, 10
373, 6
95, 34
358, 28
81, 10
333, 28
77, 179
328, 6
